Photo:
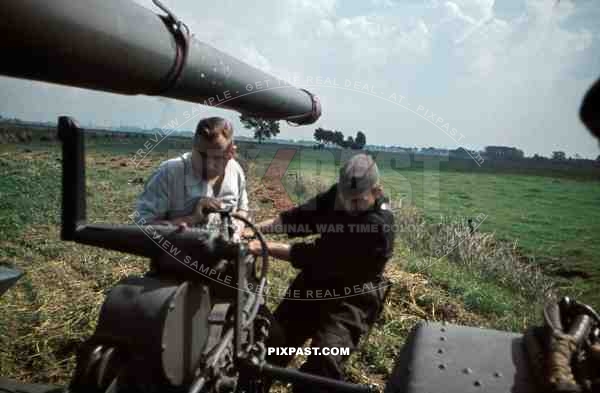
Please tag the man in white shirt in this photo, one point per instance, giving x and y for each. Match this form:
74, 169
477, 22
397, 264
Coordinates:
208, 176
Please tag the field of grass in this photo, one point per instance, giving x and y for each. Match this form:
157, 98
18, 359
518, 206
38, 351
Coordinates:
485, 281
553, 222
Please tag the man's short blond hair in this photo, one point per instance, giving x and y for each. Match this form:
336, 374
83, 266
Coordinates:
212, 128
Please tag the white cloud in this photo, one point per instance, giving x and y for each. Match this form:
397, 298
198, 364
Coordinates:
477, 9
319, 8
325, 29
384, 3
457, 57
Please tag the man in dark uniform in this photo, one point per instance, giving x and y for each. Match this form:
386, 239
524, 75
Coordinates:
338, 294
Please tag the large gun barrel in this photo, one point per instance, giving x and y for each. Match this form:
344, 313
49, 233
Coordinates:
149, 241
121, 47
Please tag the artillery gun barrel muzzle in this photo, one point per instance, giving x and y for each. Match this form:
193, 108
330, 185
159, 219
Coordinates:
122, 47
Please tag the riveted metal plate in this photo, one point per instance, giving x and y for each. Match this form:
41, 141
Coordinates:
459, 359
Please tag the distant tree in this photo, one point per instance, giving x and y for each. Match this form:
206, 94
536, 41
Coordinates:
348, 143
360, 140
262, 128
329, 137
324, 136
598, 158
559, 155
338, 138
319, 135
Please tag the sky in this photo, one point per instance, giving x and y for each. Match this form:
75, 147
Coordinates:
510, 72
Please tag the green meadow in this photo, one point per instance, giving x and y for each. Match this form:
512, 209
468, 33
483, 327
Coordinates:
553, 221
531, 232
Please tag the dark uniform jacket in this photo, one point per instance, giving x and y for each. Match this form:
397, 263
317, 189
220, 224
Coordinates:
348, 254
351, 249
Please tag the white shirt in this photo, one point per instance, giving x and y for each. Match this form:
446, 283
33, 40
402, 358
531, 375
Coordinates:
173, 190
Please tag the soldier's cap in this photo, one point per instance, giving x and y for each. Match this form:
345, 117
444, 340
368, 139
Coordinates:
358, 175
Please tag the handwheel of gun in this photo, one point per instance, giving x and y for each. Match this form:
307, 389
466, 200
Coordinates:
265, 255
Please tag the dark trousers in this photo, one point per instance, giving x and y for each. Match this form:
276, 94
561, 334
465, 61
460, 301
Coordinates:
335, 322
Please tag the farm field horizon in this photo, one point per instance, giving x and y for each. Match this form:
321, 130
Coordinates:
553, 221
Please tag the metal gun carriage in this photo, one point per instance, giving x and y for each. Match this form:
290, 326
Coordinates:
177, 328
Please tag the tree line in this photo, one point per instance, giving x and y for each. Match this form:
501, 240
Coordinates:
265, 129
336, 138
